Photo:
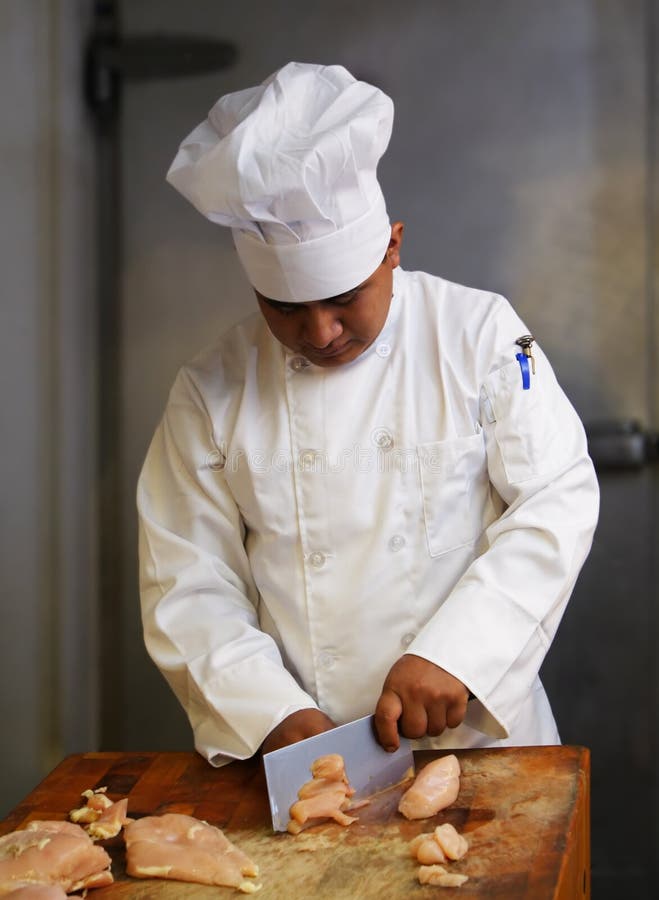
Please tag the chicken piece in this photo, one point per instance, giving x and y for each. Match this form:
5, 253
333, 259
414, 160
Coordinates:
103, 818
430, 874
429, 852
37, 892
183, 848
52, 853
442, 844
451, 842
97, 802
332, 767
326, 796
435, 787
325, 804
438, 875
416, 842
110, 822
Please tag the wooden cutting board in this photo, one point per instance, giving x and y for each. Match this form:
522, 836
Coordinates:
524, 811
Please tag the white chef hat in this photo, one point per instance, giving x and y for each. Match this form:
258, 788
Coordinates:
290, 166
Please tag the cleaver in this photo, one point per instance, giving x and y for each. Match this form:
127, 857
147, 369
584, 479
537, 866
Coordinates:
368, 767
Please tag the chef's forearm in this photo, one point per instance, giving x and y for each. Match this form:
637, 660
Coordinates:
203, 635
198, 595
243, 706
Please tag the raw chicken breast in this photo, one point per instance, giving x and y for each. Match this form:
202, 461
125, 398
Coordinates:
37, 892
52, 853
186, 849
325, 796
435, 787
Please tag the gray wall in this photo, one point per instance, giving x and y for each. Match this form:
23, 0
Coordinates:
47, 598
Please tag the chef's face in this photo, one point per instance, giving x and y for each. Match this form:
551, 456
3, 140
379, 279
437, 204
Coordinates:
332, 332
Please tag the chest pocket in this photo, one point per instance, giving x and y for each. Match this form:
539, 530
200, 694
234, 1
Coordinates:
455, 488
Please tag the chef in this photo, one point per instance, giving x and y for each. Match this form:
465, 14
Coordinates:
371, 496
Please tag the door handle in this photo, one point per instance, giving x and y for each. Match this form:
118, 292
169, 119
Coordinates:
621, 445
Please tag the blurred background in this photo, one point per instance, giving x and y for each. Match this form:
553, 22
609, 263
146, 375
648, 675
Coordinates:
524, 160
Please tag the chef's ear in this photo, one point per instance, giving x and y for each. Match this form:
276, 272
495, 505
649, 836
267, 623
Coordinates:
393, 250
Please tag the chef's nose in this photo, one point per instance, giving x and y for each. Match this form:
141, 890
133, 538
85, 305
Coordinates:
322, 325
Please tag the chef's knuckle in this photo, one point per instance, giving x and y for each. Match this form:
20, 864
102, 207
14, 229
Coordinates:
387, 715
413, 731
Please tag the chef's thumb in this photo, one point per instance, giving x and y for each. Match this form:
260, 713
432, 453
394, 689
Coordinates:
387, 713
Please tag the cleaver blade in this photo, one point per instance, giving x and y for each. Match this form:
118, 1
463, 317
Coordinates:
368, 767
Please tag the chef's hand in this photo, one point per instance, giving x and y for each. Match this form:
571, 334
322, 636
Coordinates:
299, 725
419, 698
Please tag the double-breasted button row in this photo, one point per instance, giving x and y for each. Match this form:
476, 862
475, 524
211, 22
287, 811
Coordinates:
299, 363
311, 459
317, 559
382, 438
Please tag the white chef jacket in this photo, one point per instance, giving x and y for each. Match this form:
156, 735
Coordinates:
302, 527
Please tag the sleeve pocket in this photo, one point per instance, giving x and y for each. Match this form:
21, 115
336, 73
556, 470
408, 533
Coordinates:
455, 488
525, 427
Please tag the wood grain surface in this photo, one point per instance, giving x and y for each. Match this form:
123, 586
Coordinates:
524, 812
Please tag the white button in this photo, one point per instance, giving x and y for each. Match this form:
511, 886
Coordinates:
407, 639
313, 461
317, 559
397, 542
383, 349
326, 660
216, 460
298, 363
383, 438
307, 459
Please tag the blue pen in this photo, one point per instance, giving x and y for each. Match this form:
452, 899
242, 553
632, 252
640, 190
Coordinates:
524, 358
